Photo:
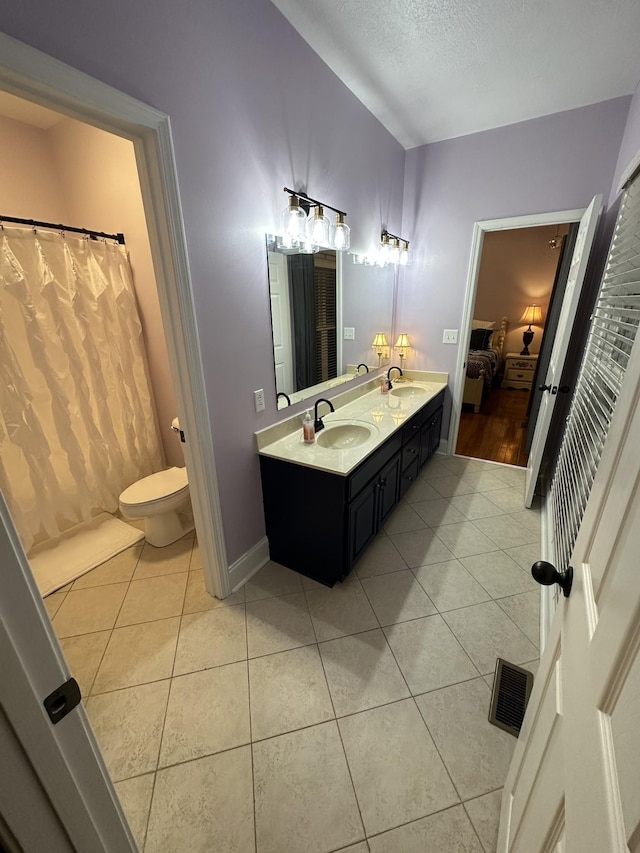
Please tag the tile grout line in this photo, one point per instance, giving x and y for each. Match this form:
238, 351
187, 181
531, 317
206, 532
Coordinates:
335, 717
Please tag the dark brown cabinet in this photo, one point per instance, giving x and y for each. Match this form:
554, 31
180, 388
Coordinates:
319, 523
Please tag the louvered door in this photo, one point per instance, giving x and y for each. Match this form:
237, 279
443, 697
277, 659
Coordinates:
613, 330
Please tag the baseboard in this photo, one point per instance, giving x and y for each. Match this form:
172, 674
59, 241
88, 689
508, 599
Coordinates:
443, 447
247, 565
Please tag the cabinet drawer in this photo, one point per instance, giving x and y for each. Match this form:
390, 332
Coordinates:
408, 476
412, 428
411, 450
368, 470
525, 365
517, 375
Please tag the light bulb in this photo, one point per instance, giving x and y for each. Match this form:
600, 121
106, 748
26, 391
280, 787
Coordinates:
394, 251
404, 254
293, 220
341, 234
318, 227
383, 251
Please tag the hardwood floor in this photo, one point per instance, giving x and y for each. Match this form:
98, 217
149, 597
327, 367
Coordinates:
496, 433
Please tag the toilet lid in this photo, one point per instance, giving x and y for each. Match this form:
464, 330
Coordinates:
156, 486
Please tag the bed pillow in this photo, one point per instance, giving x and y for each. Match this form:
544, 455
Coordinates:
480, 338
483, 324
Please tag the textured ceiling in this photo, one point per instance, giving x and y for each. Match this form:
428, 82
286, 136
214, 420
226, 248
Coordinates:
436, 69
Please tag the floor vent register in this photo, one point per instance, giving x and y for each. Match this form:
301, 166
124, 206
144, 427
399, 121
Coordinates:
511, 690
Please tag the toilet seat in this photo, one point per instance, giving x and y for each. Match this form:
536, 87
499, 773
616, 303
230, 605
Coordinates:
172, 483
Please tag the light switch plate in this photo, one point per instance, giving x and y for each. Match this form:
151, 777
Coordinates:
258, 399
349, 333
450, 336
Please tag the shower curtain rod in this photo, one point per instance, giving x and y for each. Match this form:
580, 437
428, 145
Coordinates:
34, 223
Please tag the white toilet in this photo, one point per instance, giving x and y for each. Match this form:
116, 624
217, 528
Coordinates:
159, 499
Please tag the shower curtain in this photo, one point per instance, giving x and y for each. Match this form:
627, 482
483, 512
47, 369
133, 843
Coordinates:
77, 416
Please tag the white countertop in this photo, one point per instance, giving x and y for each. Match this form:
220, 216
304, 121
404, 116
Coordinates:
385, 413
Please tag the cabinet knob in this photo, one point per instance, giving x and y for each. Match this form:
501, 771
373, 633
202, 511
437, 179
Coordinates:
415, 427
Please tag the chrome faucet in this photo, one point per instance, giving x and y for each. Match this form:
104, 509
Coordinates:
362, 364
393, 367
286, 397
318, 421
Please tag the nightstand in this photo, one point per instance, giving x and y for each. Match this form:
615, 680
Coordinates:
519, 370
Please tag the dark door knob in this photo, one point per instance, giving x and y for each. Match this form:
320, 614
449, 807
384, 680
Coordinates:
564, 389
544, 387
547, 574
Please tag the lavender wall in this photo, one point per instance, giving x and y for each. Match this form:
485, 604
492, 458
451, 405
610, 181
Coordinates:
630, 142
252, 109
552, 163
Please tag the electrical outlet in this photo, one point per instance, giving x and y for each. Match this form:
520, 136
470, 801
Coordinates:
349, 333
258, 399
450, 336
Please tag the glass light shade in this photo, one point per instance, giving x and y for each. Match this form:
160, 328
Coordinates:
340, 234
380, 340
394, 252
383, 250
404, 254
318, 227
532, 315
403, 342
293, 220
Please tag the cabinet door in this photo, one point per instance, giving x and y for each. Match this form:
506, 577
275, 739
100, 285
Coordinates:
363, 518
389, 484
434, 433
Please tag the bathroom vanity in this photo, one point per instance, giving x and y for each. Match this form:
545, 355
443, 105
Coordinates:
324, 503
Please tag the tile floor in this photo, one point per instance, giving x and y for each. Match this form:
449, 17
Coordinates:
292, 718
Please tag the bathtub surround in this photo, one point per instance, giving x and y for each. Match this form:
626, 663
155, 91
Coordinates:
234, 141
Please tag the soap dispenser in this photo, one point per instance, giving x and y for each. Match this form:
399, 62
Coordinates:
308, 429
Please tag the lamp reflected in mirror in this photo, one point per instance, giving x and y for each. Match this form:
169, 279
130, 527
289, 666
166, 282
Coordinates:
533, 316
381, 346
403, 346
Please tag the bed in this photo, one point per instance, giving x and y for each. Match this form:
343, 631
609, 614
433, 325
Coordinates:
483, 362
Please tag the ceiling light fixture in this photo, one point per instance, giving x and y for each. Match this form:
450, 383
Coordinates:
305, 225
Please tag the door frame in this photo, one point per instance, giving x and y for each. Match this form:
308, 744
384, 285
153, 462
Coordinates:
480, 228
36, 76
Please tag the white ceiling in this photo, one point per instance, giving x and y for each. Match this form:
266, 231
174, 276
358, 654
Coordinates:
436, 69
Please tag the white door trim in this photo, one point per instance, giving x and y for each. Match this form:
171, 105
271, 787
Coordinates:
30, 74
480, 228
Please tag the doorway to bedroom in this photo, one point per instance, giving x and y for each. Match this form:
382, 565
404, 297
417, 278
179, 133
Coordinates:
517, 274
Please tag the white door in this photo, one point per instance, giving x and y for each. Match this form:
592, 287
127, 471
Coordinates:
573, 289
67, 783
574, 782
281, 321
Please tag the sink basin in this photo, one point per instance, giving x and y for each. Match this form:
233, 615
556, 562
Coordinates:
344, 436
408, 391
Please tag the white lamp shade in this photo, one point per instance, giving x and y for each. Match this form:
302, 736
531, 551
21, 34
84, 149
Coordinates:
532, 315
380, 340
403, 342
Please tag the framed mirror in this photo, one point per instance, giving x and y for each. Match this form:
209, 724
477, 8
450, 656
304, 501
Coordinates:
325, 312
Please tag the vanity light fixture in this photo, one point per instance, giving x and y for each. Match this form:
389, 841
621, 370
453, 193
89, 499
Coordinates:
403, 346
532, 315
381, 346
313, 231
392, 249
